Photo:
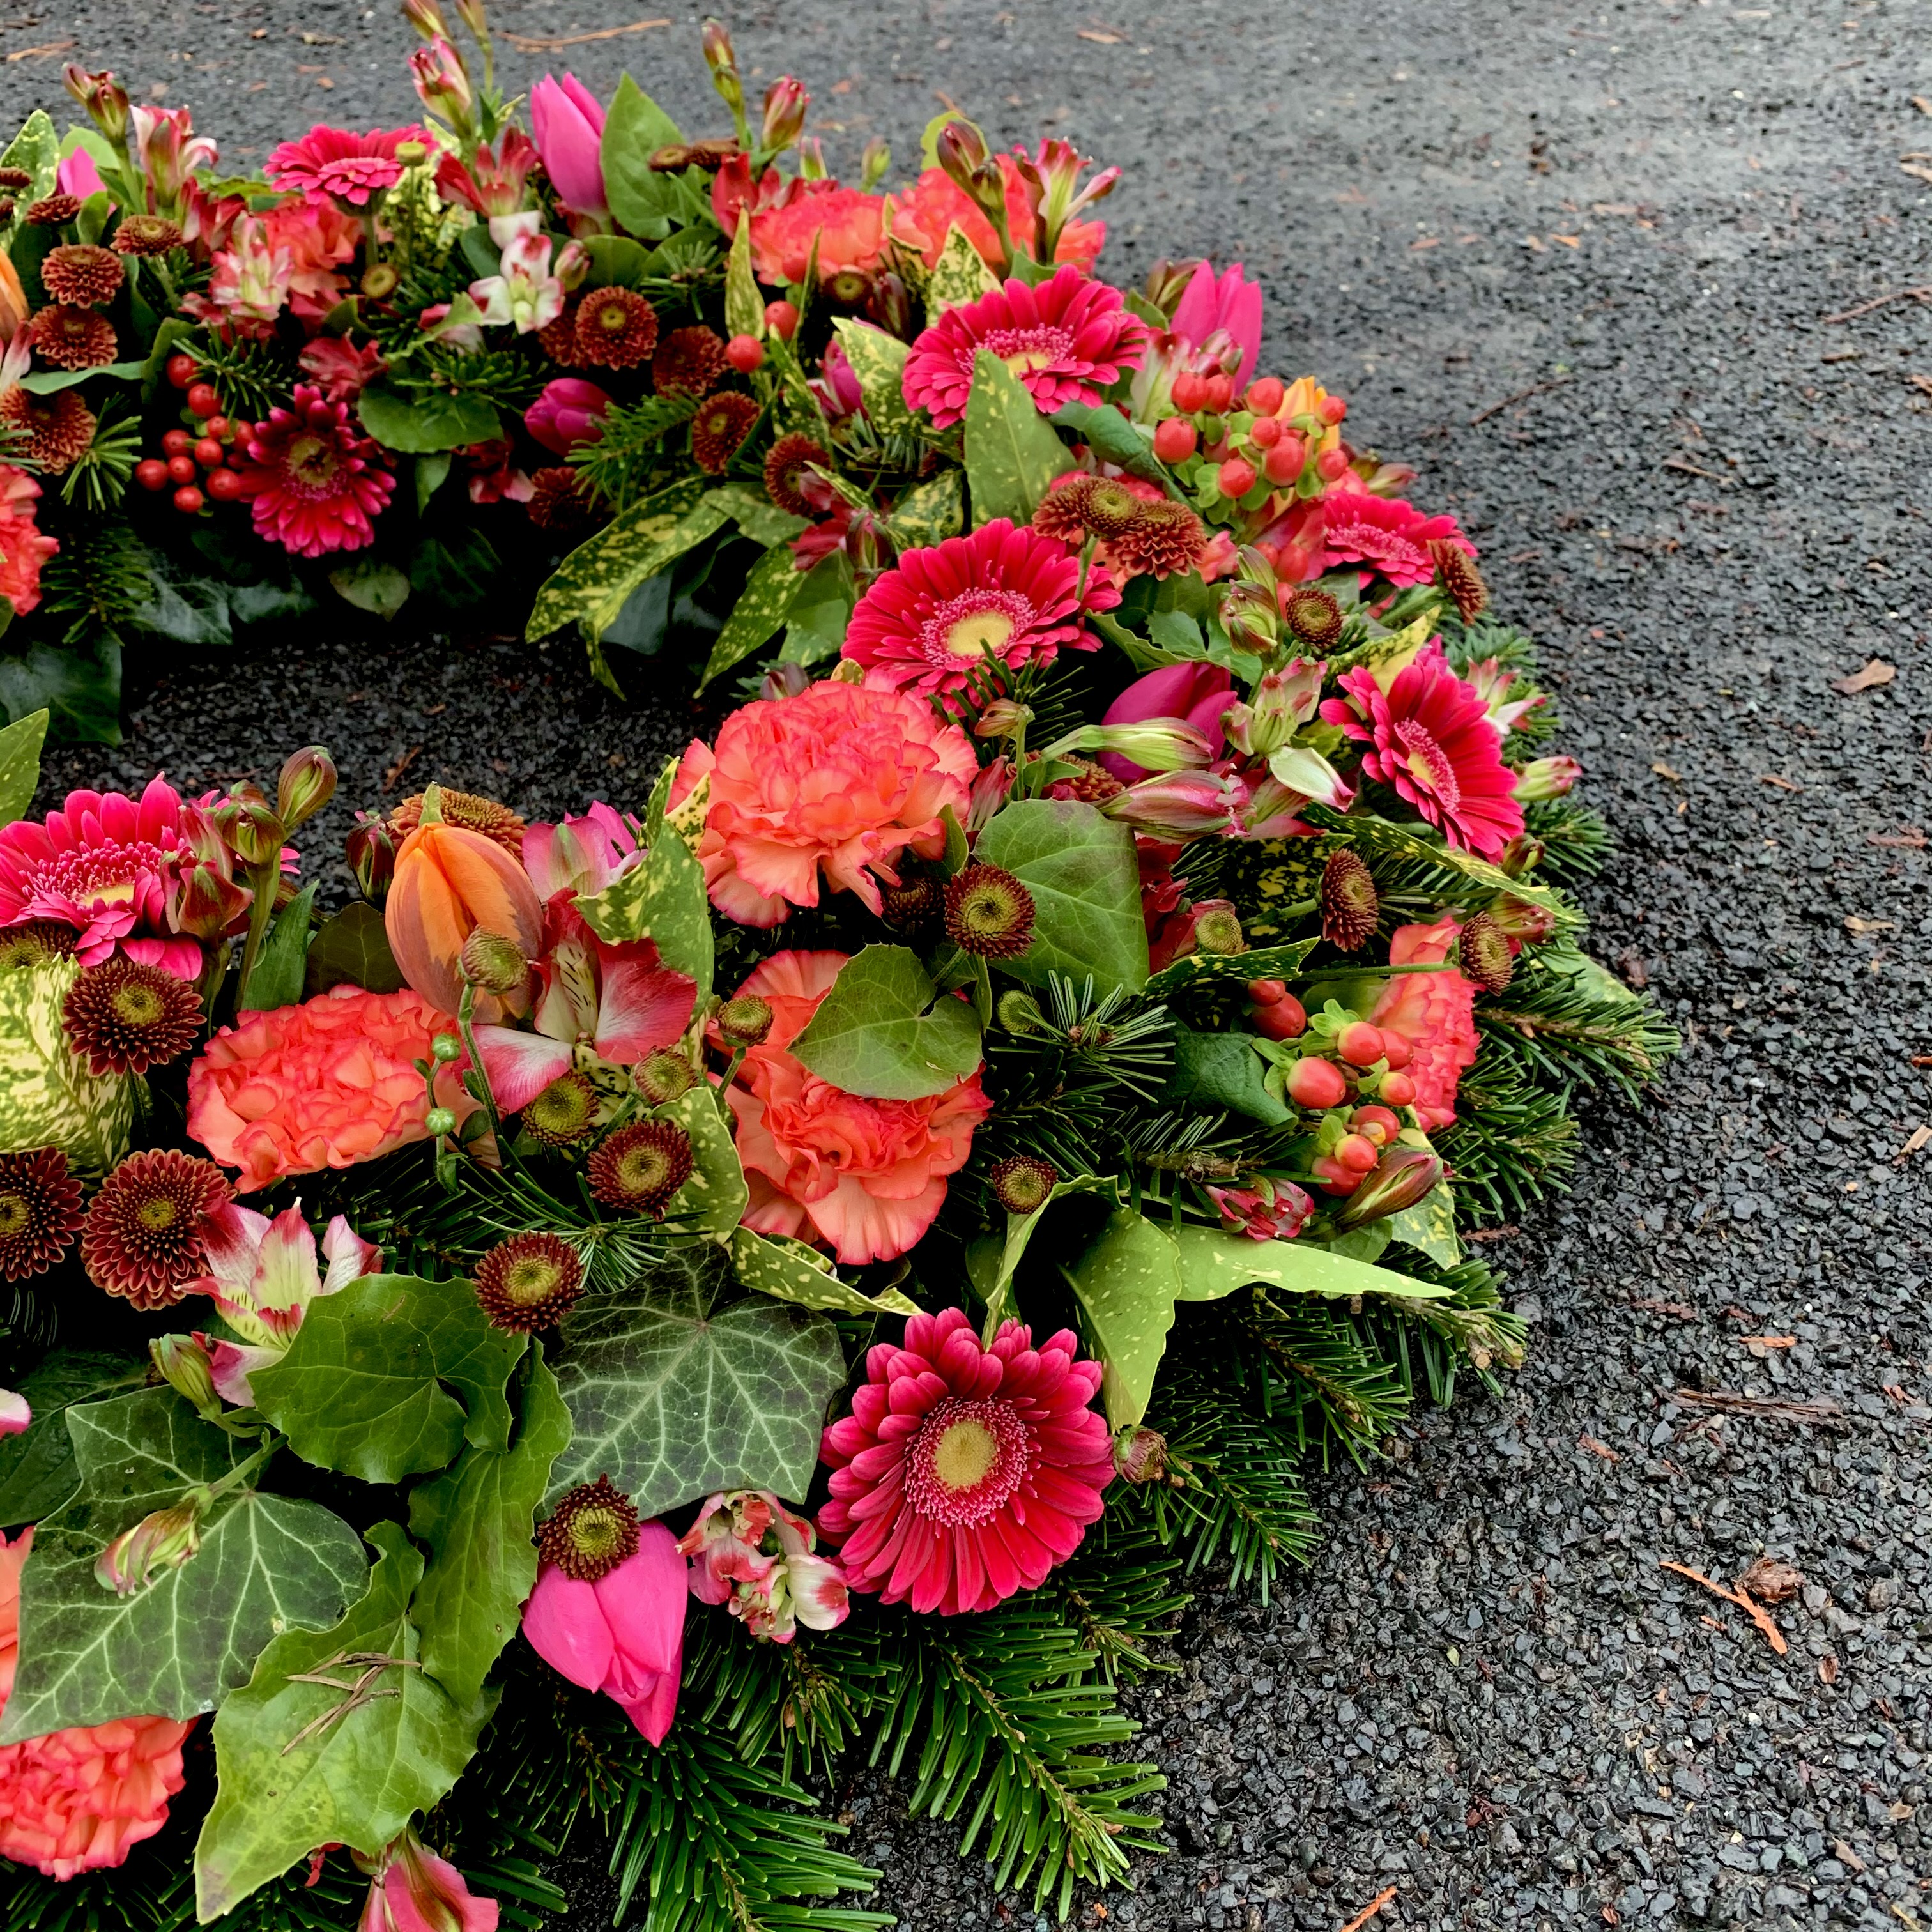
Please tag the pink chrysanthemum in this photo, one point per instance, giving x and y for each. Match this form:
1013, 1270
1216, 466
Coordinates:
1066, 341
351, 167
1005, 593
103, 865
1430, 736
1392, 536
316, 483
964, 1475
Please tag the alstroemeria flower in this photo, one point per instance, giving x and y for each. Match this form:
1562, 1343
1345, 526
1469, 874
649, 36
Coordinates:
751, 1553
262, 1274
528, 292
583, 854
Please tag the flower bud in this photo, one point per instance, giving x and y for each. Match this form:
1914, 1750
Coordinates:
423, 16
1400, 1179
660, 1076
440, 1120
1247, 611
1140, 1455
1522, 922
470, 13
444, 1048
164, 1540
184, 1364
247, 822
889, 306
1002, 718
1547, 778
492, 963
962, 154
873, 163
722, 59
785, 680
1167, 282
1019, 1012
785, 102
103, 98
1177, 805
745, 1020
204, 901
442, 83
1154, 744
1217, 929
307, 784
1022, 1184
371, 852
1523, 853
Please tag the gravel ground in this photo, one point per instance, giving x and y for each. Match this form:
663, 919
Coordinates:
1578, 264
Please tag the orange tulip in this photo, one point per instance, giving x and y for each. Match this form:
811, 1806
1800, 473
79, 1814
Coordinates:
448, 882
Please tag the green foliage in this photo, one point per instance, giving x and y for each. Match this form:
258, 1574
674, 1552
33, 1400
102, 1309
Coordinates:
1012, 454
77, 683
794, 1271
98, 580
415, 422
1511, 1144
1126, 1281
634, 128
277, 978
20, 744
662, 900
1564, 1022
885, 1031
878, 361
251, 378
99, 477
352, 948
618, 466
37, 1472
770, 591
1576, 843
1469, 1327
1084, 878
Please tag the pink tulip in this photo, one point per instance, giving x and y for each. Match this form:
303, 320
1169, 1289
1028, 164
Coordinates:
623, 1635
78, 176
569, 124
570, 411
1197, 693
1234, 304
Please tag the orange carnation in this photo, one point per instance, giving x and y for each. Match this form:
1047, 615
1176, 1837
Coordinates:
849, 224
862, 1178
78, 1800
840, 779
326, 1084
449, 881
922, 215
1434, 1012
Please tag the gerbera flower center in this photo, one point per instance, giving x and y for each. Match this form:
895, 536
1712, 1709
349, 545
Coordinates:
101, 874
976, 624
312, 463
966, 1461
1428, 764
1027, 351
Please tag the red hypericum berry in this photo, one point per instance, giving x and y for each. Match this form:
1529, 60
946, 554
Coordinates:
224, 485
1360, 1044
208, 453
1331, 465
1376, 1124
189, 501
1236, 477
151, 475
1220, 393
1190, 392
176, 442
201, 399
1398, 1089
220, 427
744, 353
1283, 463
181, 469
1317, 1083
782, 319
1266, 992
1174, 440
1266, 432
181, 370
1333, 1177
1333, 408
1264, 396
1284, 1019
1395, 1050
1356, 1152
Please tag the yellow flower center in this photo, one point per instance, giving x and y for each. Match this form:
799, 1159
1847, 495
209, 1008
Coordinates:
978, 632
965, 1453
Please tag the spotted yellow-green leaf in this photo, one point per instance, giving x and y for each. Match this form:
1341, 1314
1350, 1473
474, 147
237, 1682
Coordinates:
1264, 962
1012, 454
20, 744
792, 1271
713, 1201
662, 900
928, 513
47, 1097
1429, 1226
878, 360
1214, 1263
960, 275
992, 1260
591, 583
757, 515
744, 307
770, 591
1126, 1283
35, 150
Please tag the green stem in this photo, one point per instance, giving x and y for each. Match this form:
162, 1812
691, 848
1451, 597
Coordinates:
263, 880
465, 1009
241, 1471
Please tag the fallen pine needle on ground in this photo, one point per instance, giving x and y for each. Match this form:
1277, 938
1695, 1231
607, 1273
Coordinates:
1742, 1597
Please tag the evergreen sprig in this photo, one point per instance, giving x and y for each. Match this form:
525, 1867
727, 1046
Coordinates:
1564, 1023
618, 465
1576, 843
1510, 1144
99, 577
250, 377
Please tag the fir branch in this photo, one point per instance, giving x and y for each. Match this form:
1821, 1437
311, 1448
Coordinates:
1511, 1143
1316, 1366
250, 377
618, 465
98, 578
1576, 843
1117, 1594
1472, 1327
1564, 1022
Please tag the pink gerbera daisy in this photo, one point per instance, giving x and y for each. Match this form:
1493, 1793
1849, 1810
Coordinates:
350, 166
964, 1475
1429, 735
316, 483
1066, 341
104, 865
1004, 594
1391, 536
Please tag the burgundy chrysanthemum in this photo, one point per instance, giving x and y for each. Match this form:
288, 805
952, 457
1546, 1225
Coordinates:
1022, 1183
336, 161
470, 810
965, 1475
1429, 735
1314, 616
594, 1530
564, 1114
720, 425
72, 338
1066, 341
145, 1234
1166, 539
1351, 906
13, 179
316, 483
988, 912
145, 235
53, 211
38, 940
557, 338
616, 329
59, 429
122, 1017
689, 362
558, 501
1483, 954
784, 467
81, 273
1079, 506
1090, 783
1004, 595
639, 1168
1455, 570
529, 1282
40, 1212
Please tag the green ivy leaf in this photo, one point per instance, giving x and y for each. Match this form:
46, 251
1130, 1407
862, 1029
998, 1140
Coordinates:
928, 513
662, 900
1085, 882
37, 1472
476, 1519
360, 1389
278, 974
1113, 438
1217, 1071
795, 1272
1213, 1263
347, 1760
616, 260
1264, 962
351, 948
960, 275
20, 763
371, 585
770, 591
266, 1563
421, 422
1126, 1283
1012, 454
673, 1398
595, 581
878, 360
885, 1032
635, 129
78, 685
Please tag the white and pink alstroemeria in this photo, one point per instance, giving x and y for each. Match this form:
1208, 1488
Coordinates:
249, 281
263, 1275
582, 855
169, 151
528, 292
16, 1413
750, 1552
598, 1007
1493, 683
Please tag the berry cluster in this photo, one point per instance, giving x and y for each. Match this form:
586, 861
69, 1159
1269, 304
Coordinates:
1255, 448
195, 463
